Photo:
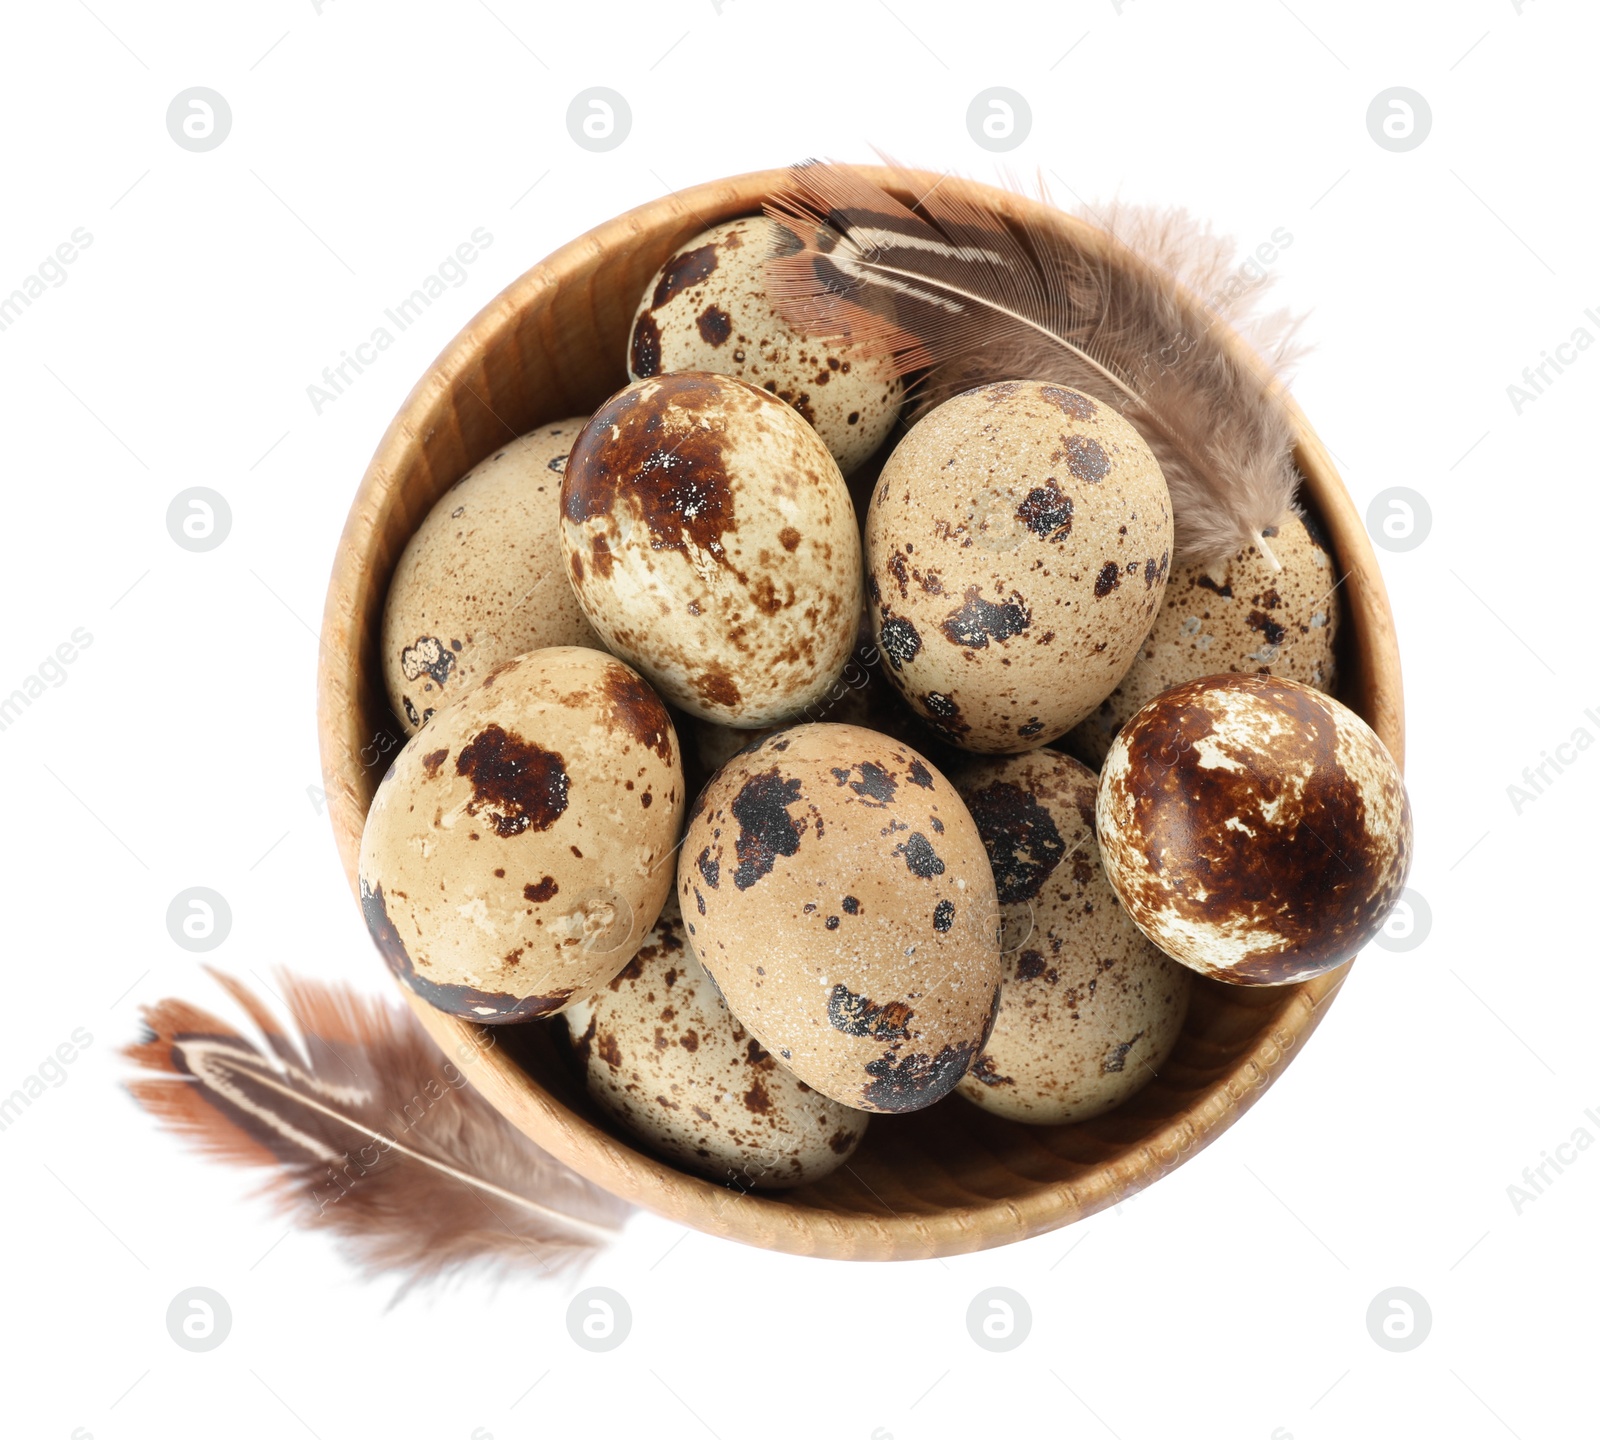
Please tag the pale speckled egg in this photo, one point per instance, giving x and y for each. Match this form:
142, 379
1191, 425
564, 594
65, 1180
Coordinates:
1089, 1009
1236, 614
837, 891
707, 309
1017, 551
520, 847
1255, 829
711, 543
483, 579
664, 1057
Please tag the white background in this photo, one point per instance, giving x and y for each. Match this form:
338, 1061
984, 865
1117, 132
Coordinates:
367, 141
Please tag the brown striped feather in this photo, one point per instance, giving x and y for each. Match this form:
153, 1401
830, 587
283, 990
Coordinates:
364, 1129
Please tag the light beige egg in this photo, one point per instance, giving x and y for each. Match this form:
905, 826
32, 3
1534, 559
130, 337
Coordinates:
1089, 1009
711, 543
838, 892
1236, 614
1255, 829
483, 579
707, 309
664, 1057
1017, 551
521, 845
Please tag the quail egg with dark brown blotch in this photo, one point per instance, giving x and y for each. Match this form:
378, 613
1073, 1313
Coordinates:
1255, 829
520, 846
711, 542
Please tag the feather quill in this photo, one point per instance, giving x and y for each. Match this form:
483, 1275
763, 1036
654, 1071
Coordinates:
366, 1130
951, 288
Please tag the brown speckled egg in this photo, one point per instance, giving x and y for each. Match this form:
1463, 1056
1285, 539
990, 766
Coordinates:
483, 579
1254, 828
1017, 551
836, 889
520, 846
662, 1055
711, 543
1235, 614
1089, 1009
707, 309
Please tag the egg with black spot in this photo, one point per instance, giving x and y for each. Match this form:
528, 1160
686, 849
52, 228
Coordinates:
835, 887
662, 1055
711, 543
1238, 614
521, 845
1018, 545
1089, 1009
707, 309
483, 578
1255, 829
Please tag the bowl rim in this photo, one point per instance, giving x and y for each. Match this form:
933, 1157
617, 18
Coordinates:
770, 1219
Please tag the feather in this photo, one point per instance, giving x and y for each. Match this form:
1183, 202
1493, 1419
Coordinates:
368, 1131
951, 288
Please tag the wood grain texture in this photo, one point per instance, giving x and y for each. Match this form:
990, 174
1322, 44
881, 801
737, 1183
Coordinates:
941, 1181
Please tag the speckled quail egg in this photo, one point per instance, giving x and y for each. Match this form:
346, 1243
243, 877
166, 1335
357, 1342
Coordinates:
662, 1055
711, 542
1255, 829
707, 309
483, 579
837, 891
1234, 614
520, 846
1089, 1009
1017, 551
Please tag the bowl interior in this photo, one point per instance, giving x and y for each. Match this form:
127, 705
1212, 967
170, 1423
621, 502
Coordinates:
946, 1179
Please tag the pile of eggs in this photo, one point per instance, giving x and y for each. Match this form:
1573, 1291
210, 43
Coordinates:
799, 811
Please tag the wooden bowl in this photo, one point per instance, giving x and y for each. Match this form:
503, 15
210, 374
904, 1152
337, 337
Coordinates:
945, 1180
